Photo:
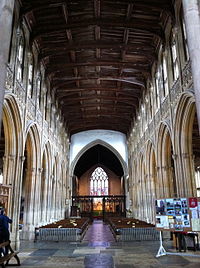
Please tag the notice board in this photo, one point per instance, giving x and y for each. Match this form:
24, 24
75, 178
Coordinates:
178, 214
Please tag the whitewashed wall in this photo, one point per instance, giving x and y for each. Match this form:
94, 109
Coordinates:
114, 138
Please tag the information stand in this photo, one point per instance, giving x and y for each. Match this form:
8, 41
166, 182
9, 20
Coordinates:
161, 251
178, 215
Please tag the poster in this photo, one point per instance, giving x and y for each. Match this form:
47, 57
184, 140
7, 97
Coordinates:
179, 214
177, 207
178, 223
170, 207
160, 207
171, 220
192, 202
162, 222
196, 225
184, 203
186, 221
194, 213
199, 209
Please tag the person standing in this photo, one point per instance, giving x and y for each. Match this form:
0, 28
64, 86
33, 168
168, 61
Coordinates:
4, 228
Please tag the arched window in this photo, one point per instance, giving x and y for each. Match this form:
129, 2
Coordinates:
184, 36
165, 76
30, 75
20, 58
197, 178
99, 182
174, 56
158, 87
150, 101
38, 88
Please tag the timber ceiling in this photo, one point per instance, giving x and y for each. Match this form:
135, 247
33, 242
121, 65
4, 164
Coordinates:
97, 55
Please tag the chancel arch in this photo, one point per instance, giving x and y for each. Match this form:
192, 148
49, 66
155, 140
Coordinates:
97, 176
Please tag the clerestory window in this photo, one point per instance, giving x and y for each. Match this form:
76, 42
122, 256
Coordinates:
197, 178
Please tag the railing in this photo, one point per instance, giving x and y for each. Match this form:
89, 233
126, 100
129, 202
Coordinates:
59, 234
137, 234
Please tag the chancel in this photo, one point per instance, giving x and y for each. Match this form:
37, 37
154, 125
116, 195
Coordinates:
100, 123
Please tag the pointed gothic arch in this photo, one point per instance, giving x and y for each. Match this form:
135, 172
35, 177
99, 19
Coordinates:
183, 140
166, 172
29, 195
151, 167
92, 144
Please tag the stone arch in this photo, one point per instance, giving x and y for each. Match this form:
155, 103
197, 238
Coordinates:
46, 175
105, 144
151, 168
11, 133
63, 188
134, 186
54, 181
13, 124
58, 190
142, 186
165, 169
29, 195
114, 151
12, 127
183, 140
32, 130
45, 162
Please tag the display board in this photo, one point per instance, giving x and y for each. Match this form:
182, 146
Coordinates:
178, 214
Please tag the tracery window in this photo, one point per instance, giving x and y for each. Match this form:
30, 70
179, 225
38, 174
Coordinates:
158, 88
197, 178
20, 58
30, 75
38, 85
151, 102
184, 37
99, 182
165, 76
174, 59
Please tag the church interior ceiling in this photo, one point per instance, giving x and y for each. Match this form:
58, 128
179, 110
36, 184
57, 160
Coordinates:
97, 55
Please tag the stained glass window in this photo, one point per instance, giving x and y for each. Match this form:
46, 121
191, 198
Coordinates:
99, 182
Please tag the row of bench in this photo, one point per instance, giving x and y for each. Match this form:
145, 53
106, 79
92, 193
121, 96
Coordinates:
63, 230
129, 229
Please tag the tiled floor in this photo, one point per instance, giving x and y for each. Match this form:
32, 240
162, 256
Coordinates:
99, 250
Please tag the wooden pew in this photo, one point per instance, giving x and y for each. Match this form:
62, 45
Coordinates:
4, 259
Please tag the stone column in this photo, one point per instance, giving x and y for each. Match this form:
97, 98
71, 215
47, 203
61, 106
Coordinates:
192, 22
6, 15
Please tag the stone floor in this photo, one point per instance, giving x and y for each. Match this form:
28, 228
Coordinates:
100, 250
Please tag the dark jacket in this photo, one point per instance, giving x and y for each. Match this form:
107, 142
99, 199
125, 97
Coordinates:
4, 220
4, 228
